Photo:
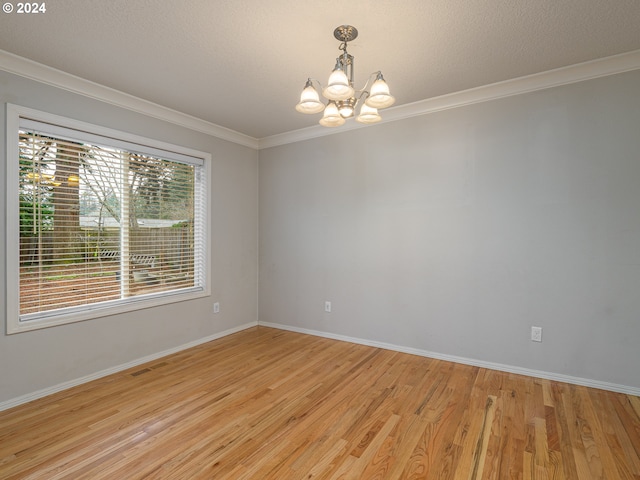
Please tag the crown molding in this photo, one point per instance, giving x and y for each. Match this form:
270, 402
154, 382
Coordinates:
553, 78
57, 78
561, 76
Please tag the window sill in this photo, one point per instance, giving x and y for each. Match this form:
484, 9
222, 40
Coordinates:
66, 316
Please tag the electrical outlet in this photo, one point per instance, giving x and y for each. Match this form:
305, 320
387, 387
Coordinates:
216, 307
536, 334
327, 307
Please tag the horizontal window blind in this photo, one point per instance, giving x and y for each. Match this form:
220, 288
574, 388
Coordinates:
102, 225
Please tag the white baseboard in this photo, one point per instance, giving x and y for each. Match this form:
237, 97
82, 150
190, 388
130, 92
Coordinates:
466, 361
14, 402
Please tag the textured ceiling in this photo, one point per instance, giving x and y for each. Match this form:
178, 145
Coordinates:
241, 64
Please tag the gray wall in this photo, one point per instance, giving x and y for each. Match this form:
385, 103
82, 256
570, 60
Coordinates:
36, 360
454, 232
451, 233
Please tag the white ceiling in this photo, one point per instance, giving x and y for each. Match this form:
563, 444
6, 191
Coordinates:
241, 64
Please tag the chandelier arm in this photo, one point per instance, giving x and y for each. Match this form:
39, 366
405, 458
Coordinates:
312, 79
360, 94
366, 85
318, 82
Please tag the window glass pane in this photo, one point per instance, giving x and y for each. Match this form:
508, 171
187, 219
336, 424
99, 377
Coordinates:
161, 215
100, 224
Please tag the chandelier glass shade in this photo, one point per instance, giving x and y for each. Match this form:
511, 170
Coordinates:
342, 98
332, 117
309, 100
338, 87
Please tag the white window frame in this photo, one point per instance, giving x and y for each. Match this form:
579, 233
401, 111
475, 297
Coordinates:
16, 114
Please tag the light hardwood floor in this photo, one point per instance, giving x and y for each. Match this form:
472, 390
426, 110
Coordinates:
271, 404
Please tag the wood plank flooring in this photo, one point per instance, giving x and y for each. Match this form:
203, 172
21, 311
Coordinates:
271, 404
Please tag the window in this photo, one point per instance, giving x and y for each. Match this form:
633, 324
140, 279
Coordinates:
99, 221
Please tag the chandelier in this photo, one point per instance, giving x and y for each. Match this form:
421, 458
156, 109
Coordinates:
342, 98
